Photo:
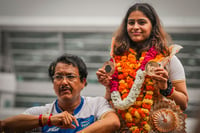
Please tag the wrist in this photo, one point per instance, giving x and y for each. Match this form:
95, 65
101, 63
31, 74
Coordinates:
49, 120
170, 89
44, 120
107, 94
107, 88
107, 97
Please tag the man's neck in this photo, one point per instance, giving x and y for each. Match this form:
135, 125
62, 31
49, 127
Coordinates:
69, 106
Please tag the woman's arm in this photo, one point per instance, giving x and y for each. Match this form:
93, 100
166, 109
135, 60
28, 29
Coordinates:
180, 95
176, 75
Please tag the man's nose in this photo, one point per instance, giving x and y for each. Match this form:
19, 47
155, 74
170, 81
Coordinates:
65, 80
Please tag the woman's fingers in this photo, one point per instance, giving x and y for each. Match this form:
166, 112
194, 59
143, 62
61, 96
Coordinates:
103, 77
158, 78
161, 77
100, 72
162, 72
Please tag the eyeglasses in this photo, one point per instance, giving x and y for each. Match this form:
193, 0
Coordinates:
68, 77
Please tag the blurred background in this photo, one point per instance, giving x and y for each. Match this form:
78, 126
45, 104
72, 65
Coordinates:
34, 32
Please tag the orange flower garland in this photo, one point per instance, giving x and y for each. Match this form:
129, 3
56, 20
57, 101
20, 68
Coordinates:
136, 116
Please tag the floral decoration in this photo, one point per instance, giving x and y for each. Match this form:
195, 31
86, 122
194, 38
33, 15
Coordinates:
132, 90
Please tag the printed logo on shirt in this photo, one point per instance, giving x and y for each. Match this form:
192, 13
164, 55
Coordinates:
53, 129
84, 122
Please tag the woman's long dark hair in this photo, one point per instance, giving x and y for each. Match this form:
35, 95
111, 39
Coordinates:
158, 38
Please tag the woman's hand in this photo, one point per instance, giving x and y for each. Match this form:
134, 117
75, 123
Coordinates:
64, 120
103, 77
161, 77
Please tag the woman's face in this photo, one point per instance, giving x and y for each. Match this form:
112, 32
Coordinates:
138, 27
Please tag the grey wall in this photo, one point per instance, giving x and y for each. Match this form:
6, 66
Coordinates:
93, 12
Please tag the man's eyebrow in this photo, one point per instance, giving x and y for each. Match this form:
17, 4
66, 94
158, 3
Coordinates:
60, 73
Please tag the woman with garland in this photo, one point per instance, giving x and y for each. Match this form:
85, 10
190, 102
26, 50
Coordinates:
141, 39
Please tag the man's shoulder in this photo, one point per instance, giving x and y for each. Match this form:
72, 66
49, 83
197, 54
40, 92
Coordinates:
94, 99
44, 109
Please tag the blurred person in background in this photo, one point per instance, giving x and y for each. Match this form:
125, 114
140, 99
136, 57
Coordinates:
137, 91
70, 112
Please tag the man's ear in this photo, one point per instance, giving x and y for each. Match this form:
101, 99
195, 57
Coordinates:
84, 82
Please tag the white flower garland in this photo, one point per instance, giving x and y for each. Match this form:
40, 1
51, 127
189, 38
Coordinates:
133, 94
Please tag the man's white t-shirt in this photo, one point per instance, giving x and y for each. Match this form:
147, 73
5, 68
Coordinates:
89, 110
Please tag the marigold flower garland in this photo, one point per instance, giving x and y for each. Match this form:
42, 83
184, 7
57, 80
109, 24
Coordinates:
131, 90
129, 63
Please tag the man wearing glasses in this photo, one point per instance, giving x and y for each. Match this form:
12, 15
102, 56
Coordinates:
70, 112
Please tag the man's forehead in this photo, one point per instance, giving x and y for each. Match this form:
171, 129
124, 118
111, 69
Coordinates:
65, 67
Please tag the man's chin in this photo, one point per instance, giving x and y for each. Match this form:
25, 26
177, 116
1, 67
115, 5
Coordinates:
66, 96
65, 92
